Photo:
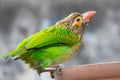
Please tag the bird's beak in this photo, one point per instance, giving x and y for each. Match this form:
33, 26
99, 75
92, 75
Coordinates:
88, 15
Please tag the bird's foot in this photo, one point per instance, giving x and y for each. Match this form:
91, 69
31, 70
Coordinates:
59, 70
54, 70
51, 70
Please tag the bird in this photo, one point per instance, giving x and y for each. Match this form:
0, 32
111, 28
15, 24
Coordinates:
53, 45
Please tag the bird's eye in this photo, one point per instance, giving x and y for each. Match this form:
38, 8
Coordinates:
78, 19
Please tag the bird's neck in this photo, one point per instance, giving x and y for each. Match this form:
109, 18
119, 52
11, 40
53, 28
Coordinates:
80, 30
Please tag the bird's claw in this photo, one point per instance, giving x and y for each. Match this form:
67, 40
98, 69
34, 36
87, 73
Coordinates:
59, 70
55, 70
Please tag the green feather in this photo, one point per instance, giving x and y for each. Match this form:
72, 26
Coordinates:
15, 53
48, 47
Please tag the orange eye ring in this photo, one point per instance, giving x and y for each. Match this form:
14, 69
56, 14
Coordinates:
78, 21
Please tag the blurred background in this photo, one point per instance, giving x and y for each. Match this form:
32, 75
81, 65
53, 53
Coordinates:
21, 18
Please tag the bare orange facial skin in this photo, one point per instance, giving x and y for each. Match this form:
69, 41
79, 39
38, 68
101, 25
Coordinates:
78, 21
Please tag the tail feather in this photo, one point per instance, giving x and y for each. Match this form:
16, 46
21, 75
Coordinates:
14, 54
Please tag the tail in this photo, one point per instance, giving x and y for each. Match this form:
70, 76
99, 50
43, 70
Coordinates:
14, 54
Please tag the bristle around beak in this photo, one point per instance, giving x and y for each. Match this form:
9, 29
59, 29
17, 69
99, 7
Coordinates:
88, 15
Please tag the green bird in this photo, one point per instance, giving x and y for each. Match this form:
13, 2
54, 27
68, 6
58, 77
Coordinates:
53, 45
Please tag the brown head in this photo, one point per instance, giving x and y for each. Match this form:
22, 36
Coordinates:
76, 21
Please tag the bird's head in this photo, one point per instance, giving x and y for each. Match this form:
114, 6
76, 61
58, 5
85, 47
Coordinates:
76, 21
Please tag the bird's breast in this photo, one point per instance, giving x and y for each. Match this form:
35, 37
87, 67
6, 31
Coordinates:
70, 54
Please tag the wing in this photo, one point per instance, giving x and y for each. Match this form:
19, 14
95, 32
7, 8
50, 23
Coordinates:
25, 41
56, 34
46, 56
